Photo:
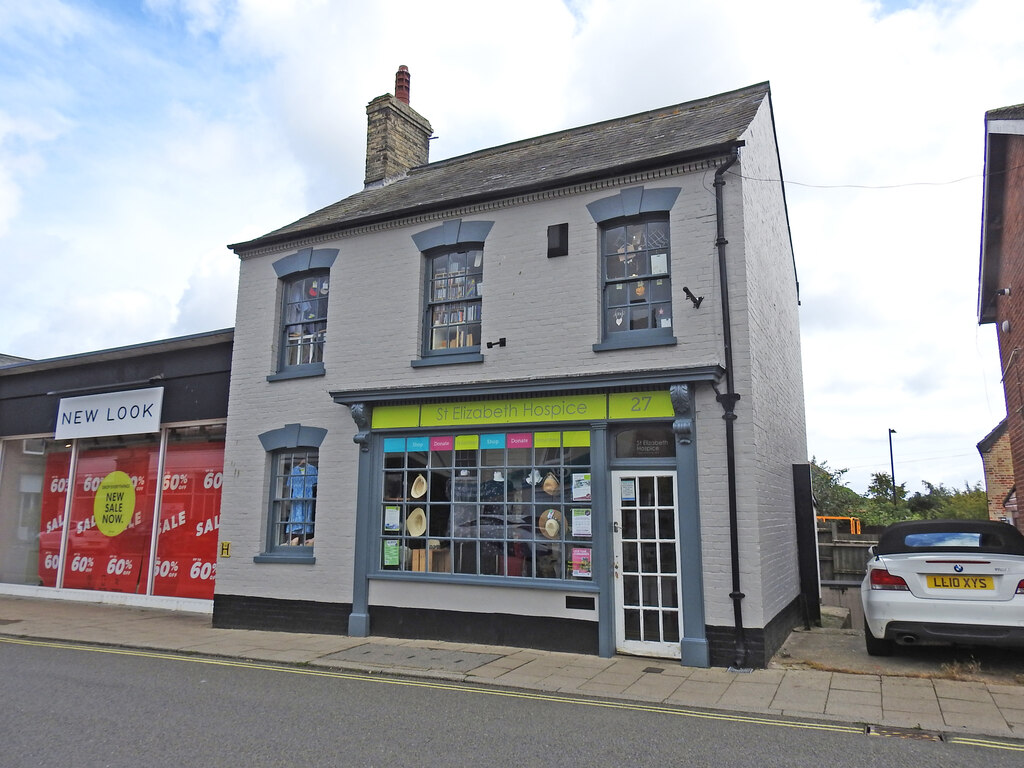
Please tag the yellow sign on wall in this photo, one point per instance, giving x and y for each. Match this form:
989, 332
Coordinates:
524, 411
640, 405
530, 410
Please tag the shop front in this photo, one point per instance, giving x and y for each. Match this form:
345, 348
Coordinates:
566, 520
116, 499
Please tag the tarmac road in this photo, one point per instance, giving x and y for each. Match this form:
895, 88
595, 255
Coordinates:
123, 708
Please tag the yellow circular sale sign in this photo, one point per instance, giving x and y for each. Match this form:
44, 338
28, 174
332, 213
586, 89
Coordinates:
114, 504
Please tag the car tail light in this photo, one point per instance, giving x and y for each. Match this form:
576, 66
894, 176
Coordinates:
1020, 587
882, 579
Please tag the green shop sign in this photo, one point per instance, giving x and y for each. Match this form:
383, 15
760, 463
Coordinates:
530, 410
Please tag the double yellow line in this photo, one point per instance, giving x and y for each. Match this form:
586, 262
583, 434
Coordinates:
486, 691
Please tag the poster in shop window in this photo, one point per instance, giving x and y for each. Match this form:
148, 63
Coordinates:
110, 527
186, 544
51, 518
581, 567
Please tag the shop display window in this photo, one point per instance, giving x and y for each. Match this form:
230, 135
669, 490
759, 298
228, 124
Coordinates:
33, 487
110, 501
110, 527
293, 502
186, 545
494, 504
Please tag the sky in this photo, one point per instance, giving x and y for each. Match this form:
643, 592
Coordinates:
139, 137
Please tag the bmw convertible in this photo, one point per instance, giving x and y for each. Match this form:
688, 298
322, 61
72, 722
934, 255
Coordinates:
941, 582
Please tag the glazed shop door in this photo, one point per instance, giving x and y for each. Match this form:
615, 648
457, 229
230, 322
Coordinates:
646, 550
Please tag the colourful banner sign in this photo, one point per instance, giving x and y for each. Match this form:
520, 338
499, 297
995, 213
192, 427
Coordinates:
537, 410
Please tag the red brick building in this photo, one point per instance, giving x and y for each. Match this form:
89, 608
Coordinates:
1001, 277
997, 460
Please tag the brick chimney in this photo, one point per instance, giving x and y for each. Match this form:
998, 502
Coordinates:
397, 136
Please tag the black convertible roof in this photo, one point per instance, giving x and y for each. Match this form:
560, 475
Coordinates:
996, 538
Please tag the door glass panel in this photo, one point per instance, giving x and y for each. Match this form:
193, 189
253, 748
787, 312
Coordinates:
631, 622
647, 529
646, 491
651, 591
668, 557
667, 523
631, 590
630, 561
629, 524
652, 626
665, 495
669, 593
649, 558
670, 627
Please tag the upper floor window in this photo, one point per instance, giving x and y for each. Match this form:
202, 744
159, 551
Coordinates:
305, 319
636, 267
637, 280
454, 300
305, 288
453, 291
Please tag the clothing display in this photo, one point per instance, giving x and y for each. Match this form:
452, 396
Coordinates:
302, 490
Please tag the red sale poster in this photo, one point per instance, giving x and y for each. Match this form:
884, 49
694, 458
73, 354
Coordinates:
110, 528
51, 519
186, 550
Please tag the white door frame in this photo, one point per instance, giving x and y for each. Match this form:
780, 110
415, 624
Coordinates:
651, 589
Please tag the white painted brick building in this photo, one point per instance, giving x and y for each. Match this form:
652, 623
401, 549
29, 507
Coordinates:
510, 372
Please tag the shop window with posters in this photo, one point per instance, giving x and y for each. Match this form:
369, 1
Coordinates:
113, 496
186, 545
494, 505
110, 503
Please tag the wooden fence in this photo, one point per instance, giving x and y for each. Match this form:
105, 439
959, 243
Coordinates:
842, 556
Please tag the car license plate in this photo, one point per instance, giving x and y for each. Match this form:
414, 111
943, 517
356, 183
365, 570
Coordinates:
960, 582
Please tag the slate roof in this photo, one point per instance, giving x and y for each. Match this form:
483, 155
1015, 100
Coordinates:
701, 128
1015, 112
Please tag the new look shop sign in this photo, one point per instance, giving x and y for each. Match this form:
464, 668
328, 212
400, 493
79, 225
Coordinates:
134, 412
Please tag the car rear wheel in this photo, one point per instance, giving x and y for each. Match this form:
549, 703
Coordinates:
876, 646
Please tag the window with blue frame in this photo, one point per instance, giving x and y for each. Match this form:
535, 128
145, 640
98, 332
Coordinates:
453, 291
637, 278
501, 505
305, 278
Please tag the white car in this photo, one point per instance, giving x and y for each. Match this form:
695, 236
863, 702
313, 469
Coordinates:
940, 582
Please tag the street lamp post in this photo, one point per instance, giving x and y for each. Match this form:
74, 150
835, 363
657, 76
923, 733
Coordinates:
892, 468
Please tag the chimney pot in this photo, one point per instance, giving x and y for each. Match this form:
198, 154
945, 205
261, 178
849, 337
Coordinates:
402, 84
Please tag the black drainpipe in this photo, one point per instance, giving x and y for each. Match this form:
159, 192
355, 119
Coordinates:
728, 400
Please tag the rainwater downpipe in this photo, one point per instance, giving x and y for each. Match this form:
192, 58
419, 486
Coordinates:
728, 400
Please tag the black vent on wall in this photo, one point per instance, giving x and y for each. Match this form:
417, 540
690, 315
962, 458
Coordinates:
558, 240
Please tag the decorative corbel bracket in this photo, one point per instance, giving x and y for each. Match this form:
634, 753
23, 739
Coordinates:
682, 405
361, 416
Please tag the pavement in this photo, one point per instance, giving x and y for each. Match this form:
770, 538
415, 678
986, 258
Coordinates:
821, 674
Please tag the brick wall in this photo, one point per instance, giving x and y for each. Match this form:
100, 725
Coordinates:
396, 139
1011, 308
998, 465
